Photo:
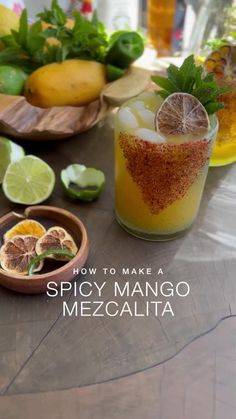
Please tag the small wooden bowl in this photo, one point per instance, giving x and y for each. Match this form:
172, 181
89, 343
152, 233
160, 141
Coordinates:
49, 216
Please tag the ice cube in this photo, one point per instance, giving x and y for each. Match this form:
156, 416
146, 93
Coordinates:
146, 118
137, 105
127, 119
151, 100
149, 135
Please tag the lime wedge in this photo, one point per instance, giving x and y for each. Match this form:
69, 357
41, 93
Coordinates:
28, 181
83, 183
9, 152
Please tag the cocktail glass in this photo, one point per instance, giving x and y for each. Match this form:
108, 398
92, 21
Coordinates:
158, 181
222, 64
224, 150
160, 20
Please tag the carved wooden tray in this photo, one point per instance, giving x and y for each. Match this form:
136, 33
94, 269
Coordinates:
19, 119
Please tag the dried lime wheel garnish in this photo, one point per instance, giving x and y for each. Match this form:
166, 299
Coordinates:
222, 63
17, 253
56, 238
25, 228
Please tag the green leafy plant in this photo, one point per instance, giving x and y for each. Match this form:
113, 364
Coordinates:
217, 43
189, 78
29, 46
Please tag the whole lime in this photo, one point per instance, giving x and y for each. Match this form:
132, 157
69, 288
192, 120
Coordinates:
12, 80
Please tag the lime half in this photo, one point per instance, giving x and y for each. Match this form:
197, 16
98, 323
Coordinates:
28, 181
9, 152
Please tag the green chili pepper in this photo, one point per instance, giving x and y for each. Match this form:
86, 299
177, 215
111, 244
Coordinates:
90, 181
125, 50
114, 73
34, 262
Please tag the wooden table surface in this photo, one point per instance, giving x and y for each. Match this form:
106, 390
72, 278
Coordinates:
178, 367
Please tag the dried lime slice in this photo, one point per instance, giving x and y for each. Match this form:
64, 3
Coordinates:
9, 152
222, 63
181, 114
90, 182
17, 253
28, 181
25, 228
56, 238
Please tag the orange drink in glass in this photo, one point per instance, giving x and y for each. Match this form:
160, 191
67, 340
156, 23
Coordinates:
160, 21
159, 179
222, 63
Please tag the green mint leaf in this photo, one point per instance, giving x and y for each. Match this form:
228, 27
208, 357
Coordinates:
59, 13
36, 41
216, 43
94, 19
226, 89
165, 83
189, 78
208, 78
205, 94
86, 40
50, 33
9, 41
214, 107
198, 77
55, 15
187, 74
173, 74
163, 93
23, 29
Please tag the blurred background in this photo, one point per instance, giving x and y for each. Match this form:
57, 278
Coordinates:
171, 27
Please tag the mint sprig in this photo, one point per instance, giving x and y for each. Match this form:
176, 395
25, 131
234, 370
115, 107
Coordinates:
28, 47
189, 78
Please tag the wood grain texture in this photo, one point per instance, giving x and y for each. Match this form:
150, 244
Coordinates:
21, 120
43, 352
197, 383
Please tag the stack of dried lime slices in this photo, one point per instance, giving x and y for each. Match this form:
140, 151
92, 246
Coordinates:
222, 63
28, 244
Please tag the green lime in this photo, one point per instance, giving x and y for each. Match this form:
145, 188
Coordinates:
9, 152
28, 181
80, 182
12, 80
114, 73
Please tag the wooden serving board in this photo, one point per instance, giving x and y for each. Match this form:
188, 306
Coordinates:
20, 119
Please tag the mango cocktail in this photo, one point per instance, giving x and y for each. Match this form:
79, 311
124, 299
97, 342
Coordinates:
222, 63
159, 178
